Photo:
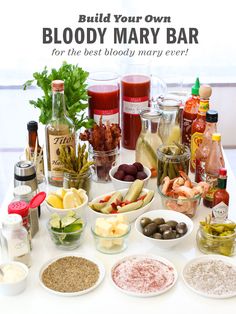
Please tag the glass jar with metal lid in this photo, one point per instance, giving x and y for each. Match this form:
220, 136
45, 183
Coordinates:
149, 139
169, 129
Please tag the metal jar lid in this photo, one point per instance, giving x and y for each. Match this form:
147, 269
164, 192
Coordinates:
24, 171
169, 104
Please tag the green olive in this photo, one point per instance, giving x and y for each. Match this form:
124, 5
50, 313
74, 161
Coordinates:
145, 221
172, 223
181, 228
159, 221
164, 227
168, 234
157, 236
150, 229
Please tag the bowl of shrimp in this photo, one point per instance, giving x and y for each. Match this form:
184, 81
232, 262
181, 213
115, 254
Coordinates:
181, 194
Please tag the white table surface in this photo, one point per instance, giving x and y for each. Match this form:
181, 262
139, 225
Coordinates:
106, 298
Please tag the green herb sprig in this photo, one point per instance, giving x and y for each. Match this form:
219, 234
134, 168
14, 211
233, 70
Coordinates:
76, 98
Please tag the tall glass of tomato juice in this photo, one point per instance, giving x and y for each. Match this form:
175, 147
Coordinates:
135, 95
104, 96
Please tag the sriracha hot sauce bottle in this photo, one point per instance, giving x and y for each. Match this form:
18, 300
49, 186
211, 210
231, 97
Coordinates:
190, 113
221, 197
135, 89
204, 149
104, 96
198, 126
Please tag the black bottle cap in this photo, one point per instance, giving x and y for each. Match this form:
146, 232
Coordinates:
212, 116
32, 126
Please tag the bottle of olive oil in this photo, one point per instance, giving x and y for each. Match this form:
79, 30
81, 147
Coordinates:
59, 131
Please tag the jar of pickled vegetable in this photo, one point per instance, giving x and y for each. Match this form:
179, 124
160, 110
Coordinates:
170, 120
213, 242
149, 139
170, 160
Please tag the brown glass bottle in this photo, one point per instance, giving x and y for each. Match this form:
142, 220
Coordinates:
33, 143
59, 131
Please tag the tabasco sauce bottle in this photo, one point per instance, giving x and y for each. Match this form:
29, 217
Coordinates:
59, 131
198, 126
221, 197
190, 113
34, 147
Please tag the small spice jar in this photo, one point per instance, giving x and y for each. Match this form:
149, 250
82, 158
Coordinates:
22, 193
103, 162
78, 181
16, 239
171, 159
212, 244
22, 208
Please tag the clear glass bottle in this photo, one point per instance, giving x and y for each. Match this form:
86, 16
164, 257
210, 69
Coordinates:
214, 162
149, 139
16, 239
170, 121
203, 150
59, 131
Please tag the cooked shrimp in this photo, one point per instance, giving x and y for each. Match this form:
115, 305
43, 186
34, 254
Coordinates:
187, 182
165, 185
184, 191
178, 182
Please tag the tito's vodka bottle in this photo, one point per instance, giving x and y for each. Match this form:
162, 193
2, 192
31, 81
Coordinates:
59, 131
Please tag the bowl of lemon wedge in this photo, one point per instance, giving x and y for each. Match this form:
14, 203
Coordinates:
63, 200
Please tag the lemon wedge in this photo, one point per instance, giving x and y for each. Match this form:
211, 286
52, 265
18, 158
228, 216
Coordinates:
55, 201
61, 192
69, 200
78, 196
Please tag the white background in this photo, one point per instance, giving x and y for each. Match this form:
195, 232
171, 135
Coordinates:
23, 53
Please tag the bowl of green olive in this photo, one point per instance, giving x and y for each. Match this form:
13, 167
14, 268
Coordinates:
164, 228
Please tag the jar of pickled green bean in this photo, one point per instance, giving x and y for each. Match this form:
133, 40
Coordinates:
170, 160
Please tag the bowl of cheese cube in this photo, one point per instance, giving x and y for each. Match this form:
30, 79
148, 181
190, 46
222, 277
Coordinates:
111, 234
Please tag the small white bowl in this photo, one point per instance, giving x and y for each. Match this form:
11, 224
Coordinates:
119, 184
80, 210
166, 214
131, 215
14, 288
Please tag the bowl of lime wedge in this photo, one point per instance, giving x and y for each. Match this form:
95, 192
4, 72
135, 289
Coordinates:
67, 231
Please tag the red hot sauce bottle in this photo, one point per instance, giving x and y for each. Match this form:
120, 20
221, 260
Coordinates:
190, 113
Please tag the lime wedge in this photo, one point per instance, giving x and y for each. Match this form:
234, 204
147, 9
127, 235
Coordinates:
73, 227
65, 221
55, 223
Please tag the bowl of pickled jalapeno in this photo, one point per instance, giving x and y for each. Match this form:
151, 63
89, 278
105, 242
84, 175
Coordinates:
214, 237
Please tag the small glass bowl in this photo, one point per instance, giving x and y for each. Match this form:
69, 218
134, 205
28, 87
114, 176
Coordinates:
112, 244
211, 244
186, 206
67, 240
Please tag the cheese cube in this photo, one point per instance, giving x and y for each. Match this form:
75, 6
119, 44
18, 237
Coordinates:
121, 219
118, 242
103, 228
105, 243
121, 229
